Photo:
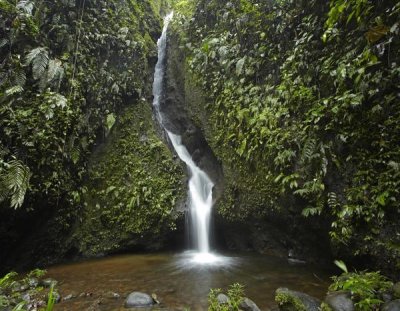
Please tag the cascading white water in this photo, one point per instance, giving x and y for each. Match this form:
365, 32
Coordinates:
200, 197
200, 185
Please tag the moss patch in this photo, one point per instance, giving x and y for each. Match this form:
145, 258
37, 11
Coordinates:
288, 302
133, 188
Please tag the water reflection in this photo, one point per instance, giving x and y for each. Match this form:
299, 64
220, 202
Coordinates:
179, 283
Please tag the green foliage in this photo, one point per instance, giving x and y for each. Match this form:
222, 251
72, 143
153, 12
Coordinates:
68, 70
14, 182
183, 7
51, 299
341, 265
134, 186
64, 70
110, 121
7, 280
235, 296
285, 299
366, 288
39, 59
346, 10
14, 288
294, 116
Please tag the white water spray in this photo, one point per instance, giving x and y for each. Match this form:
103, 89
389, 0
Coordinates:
200, 185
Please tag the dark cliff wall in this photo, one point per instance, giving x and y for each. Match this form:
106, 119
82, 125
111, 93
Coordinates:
76, 124
178, 117
300, 104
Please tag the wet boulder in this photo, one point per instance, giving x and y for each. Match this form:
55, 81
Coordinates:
138, 299
290, 300
340, 301
248, 305
48, 282
391, 306
222, 299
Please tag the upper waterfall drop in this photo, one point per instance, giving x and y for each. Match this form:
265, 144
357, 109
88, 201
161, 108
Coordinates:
200, 196
160, 69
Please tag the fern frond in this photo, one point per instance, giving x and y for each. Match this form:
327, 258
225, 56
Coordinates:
60, 100
25, 6
302, 192
308, 150
75, 154
54, 70
19, 77
16, 180
332, 200
39, 59
54, 74
14, 90
3, 42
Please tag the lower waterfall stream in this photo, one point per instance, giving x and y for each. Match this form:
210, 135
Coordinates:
200, 196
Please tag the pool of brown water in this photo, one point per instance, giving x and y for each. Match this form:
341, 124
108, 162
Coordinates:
179, 284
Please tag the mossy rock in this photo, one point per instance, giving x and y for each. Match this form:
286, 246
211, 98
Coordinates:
325, 307
134, 186
289, 300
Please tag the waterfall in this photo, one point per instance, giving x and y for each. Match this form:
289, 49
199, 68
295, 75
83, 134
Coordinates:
200, 185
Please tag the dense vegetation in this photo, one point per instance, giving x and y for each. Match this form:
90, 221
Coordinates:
133, 189
302, 111
68, 70
32, 292
303, 102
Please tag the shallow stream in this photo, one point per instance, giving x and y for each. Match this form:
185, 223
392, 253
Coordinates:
178, 283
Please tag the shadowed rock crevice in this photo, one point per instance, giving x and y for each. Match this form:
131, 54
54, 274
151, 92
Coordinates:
175, 109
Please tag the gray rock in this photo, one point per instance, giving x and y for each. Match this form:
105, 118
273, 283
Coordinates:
248, 305
222, 299
68, 297
138, 299
33, 282
391, 306
290, 300
294, 261
387, 297
340, 301
26, 297
48, 282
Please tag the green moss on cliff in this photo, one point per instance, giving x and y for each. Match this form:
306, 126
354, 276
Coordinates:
66, 67
299, 121
133, 188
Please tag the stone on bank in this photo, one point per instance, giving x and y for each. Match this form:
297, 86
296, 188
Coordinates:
290, 300
138, 299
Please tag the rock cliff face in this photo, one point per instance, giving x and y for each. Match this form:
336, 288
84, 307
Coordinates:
306, 130
179, 118
102, 179
275, 232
